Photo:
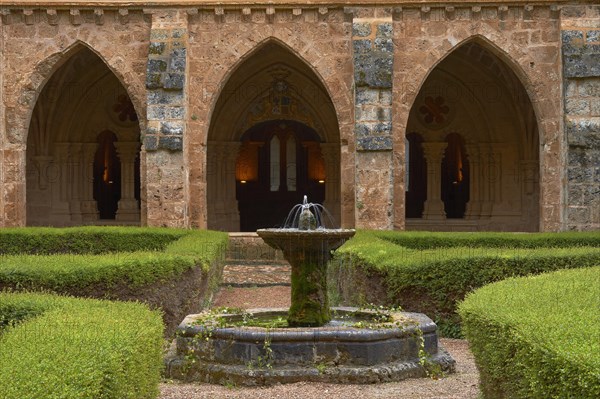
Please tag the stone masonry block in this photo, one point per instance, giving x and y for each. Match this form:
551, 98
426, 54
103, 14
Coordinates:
165, 97
171, 128
174, 81
584, 132
157, 48
589, 88
577, 106
384, 44
151, 143
374, 143
366, 95
361, 29
385, 30
362, 46
157, 112
156, 66
159, 34
154, 81
177, 64
172, 143
593, 36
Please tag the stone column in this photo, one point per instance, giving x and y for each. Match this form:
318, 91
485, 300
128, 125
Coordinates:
60, 185
474, 204
488, 180
75, 178
128, 210
331, 155
89, 207
434, 207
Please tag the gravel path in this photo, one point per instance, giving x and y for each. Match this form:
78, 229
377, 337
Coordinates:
461, 385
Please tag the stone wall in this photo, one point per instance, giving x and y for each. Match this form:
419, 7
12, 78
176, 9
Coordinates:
36, 42
581, 73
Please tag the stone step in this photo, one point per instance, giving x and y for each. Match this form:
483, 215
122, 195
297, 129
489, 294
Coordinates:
242, 275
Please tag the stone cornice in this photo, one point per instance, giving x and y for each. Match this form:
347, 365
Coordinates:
262, 4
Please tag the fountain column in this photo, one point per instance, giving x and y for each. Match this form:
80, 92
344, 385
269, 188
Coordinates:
308, 251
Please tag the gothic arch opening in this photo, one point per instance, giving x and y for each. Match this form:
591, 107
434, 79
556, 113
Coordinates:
83, 148
273, 138
479, 147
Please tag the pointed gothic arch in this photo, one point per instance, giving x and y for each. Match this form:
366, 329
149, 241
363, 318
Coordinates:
273, 87
79, 100
474, 93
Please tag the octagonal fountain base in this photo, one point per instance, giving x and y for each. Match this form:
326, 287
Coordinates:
340, 352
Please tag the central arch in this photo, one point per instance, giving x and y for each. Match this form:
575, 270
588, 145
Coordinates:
273, 137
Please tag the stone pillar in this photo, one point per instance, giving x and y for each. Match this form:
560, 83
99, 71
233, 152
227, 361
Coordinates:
75, 179
128, 209
373, 69
60, 205
434, 207
89, 207
581, 73
474, 205
488, 180
166, 178
331, 155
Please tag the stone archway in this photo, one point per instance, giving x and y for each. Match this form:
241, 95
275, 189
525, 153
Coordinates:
476, 118
81, 100
272, 87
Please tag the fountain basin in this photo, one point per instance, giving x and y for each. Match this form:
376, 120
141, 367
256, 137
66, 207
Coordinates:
387, 351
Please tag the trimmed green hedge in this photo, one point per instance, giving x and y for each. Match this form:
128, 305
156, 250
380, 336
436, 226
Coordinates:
538, 336
432, 281
85, 240
55, 347
436, 240
180, 251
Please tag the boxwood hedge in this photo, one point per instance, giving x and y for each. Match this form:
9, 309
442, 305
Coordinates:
537, 336
76, 258
85, 240
60, 347
431, 272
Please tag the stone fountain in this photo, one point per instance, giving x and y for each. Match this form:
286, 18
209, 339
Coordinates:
317, 343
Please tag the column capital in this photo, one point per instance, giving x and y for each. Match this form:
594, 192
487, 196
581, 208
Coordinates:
434, 150
127, 150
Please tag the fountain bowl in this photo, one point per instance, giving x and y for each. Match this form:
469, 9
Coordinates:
402, 347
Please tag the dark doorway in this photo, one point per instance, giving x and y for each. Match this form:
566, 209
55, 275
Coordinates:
279, 163
455, 178
107, 176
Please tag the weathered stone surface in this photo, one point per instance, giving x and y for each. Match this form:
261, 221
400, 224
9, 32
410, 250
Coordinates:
584, 132
374, 143
361, 29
